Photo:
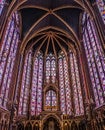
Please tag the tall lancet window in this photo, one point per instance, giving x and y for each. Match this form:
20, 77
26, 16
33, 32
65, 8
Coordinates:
77, 94
51, 100
8, 52
48, 73
1, 5
64, 84
25, 86
95, 59
36, 94
101, 7
53, 69
50, 69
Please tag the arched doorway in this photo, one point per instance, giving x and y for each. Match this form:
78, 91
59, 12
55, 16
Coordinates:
51, 124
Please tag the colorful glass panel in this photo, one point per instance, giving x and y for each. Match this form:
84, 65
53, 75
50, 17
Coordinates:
62, 87
101, 7
7, 57
2, 2
95, 59
37, 80
51, 100
40, 81
64, 84
34, 86
25, 87
50, 68
77, 93
53, 70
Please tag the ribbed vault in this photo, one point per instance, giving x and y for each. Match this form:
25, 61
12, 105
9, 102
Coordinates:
50, 19
51, 40
38, 15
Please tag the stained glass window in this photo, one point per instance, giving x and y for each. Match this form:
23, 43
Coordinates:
101, 7
77, 93
7, 57
95, 59
64, 84
51, 100
36, 94
50, 69
48, 73
40, 81
25, 87
1, 5
53, 69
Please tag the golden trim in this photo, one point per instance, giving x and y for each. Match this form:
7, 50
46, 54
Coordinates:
47, 46
44, 29
33, 6
65, 7
54, 47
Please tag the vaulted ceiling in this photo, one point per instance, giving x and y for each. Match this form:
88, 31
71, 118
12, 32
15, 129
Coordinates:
56, 21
